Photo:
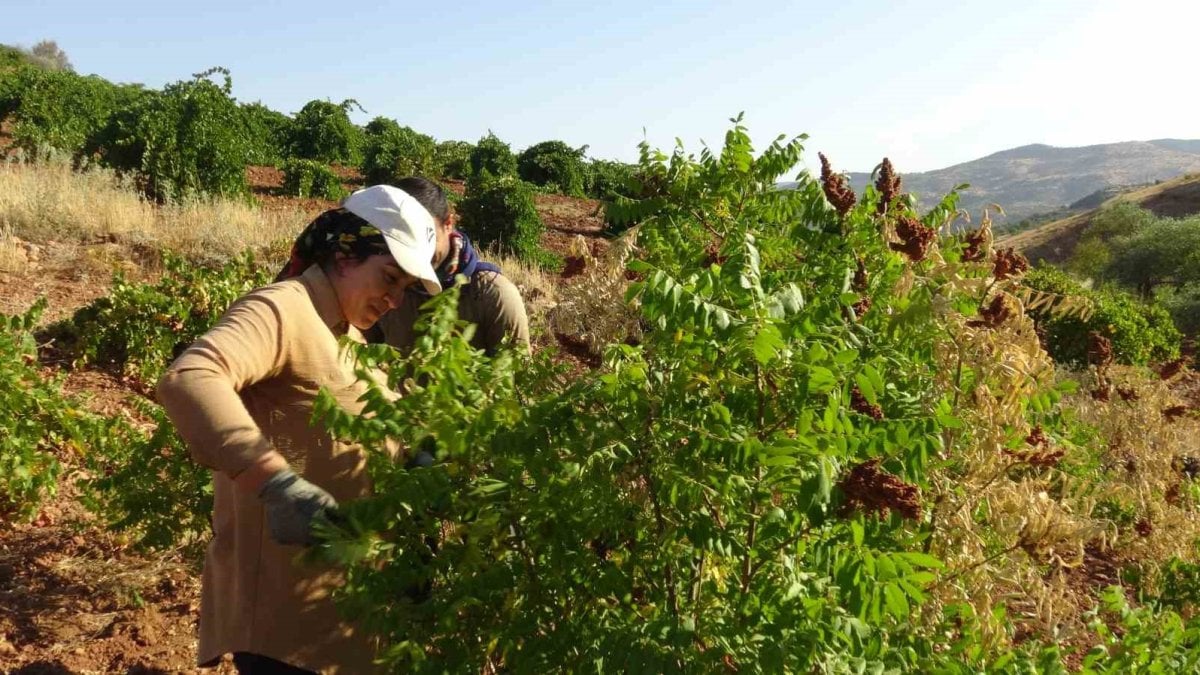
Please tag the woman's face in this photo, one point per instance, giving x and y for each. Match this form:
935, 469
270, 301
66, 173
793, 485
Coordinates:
368, 288
444, 228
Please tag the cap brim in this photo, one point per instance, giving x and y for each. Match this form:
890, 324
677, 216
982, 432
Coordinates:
410, 261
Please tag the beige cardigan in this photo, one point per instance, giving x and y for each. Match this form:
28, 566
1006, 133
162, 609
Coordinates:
244, 388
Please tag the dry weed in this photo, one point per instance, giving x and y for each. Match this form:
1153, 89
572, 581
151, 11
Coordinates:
538, 289
49, 201
1021, 516
592, 311
13, 257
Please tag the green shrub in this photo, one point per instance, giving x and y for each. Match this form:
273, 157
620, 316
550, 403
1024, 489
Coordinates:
1184, 305
57, 108
500, 212
605, 178
493, 157
1140, 332
267, 132
677, 509
1140, 639
189, 139
322, 131
554, 165
139, 327
309, 178
144, 483
453, 159
393, 152
32, 419
1162, 253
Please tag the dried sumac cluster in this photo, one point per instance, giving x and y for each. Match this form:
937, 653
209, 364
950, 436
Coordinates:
1172, 368
1100, 353
1009, 263
862, 306
1041, 454
859, 404
713, 256
888, 184
974, 251
868, 488
1175, 412
995, 313
575, 265
915, 238
1144, 527
837, 191
860, 275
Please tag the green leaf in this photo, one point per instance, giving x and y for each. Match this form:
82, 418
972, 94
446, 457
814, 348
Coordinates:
918, 559
767, 343
897, 602
845, 357
865, 386
821, 380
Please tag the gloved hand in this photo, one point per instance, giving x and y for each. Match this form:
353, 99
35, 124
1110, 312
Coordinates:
292, 505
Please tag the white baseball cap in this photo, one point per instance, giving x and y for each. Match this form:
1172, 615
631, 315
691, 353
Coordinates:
407, 227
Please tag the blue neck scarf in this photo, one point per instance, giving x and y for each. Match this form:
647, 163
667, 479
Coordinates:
462, 260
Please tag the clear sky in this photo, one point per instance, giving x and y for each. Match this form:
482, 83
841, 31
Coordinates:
928, 84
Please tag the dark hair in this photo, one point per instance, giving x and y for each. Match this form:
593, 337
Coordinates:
334, 231
428, 193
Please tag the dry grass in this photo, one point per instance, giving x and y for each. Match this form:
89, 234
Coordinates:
538, 289
50, 202
12, 255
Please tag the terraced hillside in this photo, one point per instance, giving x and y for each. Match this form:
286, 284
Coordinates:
1056, 240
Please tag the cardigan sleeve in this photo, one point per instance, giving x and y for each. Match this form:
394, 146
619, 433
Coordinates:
200, 391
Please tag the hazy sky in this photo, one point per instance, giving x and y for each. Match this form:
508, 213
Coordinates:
927, 83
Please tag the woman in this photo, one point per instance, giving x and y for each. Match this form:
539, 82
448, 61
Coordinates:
242, 398
489, 300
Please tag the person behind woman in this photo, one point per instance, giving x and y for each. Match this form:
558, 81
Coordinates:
242, 398
488, 300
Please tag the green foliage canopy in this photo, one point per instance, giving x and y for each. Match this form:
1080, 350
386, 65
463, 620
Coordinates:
553, 165
393, 152
322, 131
1140, 332
500, 212
493, 156
190, 139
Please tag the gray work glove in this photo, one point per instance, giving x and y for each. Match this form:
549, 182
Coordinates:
292, 505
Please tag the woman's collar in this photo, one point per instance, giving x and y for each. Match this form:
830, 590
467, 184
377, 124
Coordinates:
325, 299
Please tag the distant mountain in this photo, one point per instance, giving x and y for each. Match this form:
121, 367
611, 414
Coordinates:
1177, 144
1038, 178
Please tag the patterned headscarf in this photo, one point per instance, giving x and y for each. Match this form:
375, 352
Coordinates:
336, 230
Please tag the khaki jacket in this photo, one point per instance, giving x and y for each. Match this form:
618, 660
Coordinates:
245, 387
489, 300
